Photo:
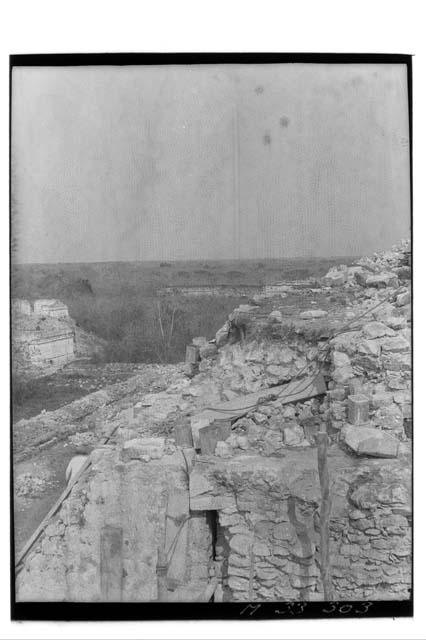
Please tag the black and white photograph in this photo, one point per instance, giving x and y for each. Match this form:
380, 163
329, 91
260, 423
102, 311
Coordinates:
211, 348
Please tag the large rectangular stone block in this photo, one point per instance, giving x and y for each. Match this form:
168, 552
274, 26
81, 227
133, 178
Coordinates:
358, 409
210, 435
192, 354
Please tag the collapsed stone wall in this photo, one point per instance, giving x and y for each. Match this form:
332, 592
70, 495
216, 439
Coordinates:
269, 514
262, 483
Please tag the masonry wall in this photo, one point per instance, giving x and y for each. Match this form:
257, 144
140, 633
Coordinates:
59, 349
142, 505
269, 515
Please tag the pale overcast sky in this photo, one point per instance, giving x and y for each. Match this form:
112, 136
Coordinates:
208, 162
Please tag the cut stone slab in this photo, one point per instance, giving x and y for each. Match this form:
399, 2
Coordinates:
240, 406
370, 442
358, 409
192, 354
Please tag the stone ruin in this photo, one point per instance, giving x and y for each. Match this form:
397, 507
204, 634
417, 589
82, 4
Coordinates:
226, 505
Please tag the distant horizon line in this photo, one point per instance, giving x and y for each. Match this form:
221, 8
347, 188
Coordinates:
195, 260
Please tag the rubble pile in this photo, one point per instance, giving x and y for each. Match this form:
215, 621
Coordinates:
253, 502
29, 485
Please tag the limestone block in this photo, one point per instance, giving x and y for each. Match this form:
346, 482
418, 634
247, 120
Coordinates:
293, 435
312, 314
342, 375
381, 399
397, 344
275, 316
282, 373
211, 434
358, 409
335, 278
197, 423
337, 395
355, 386
208, 350
369, 347
403, 298
390, 417
361, 277
241, 544
382, 280
192, 354
377, 330
284, 531
370, 442
340, 359
396, 322
261, 549
223, 450
143, 449
242, 442
396, 361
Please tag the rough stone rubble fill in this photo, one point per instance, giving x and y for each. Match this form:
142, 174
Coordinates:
261, 488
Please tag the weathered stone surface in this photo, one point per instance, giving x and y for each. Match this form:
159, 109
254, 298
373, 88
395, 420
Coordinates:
312, 314
370, 442
342, 375
275, 316
403, 298
293, 435
382, 280
390, 417
208, 350
282, 373
143, 449
261, 549
397, 344
396, 322
396, 361
381, 399
335, 277
377, 330
340, 359
369, 347
241, 544
284, 531
361, 277
222, 335
223, 450
243, 442
338, 394
239, 584
358, 409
